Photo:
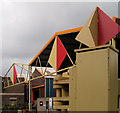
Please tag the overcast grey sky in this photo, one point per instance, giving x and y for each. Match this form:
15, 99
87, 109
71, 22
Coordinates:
27, 26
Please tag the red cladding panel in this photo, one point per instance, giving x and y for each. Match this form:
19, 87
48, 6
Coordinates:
61, 53
107, 28
14, 74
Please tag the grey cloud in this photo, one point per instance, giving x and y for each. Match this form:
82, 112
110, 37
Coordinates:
28, 26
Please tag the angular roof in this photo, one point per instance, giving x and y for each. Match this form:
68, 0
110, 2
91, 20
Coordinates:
67, 37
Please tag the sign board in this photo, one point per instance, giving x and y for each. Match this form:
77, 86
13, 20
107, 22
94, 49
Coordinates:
50, 102
13, 99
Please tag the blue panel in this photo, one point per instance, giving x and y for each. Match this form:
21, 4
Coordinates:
52, 92
47, 87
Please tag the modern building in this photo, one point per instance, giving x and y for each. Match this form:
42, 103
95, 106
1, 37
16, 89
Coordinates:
17, 95
62, 83
41, 87
85, 75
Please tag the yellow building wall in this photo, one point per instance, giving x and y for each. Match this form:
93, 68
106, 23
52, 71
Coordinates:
118, 86
94, 80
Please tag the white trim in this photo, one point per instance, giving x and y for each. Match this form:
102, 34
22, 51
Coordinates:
50, 76
11, 93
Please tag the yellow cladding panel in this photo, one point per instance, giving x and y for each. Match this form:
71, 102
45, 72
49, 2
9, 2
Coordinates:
93, 82
92, 70
118, 86
85, 36
12, 75
52, 59
113, 80
94, 26
72, 89
119, 104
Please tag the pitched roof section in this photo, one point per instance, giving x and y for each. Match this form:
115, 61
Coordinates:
37, 73
57, 33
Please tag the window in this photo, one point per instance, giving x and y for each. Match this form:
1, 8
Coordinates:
13, 99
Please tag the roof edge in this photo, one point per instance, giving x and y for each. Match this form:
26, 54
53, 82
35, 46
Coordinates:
57, 33
115, 18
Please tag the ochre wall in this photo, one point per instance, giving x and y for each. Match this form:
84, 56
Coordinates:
94, 80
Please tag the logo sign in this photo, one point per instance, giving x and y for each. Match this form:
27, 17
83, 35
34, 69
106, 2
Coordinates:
50, 102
